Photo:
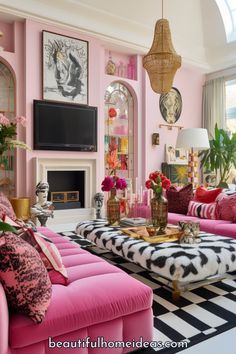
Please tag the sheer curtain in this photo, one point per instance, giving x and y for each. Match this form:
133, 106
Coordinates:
213, 106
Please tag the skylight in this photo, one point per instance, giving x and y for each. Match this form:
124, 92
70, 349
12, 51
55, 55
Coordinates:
228, 12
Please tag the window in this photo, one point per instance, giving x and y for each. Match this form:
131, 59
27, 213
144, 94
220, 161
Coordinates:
231, 105
228, 13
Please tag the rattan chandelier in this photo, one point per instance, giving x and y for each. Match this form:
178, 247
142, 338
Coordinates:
162, 61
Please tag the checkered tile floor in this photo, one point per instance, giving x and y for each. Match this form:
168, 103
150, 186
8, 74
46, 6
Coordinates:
199, 314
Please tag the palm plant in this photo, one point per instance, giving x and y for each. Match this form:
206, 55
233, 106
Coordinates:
221, 157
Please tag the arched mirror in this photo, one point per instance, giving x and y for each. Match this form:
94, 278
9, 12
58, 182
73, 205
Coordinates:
119, 131
7, 108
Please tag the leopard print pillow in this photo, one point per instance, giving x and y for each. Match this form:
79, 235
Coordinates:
24, 277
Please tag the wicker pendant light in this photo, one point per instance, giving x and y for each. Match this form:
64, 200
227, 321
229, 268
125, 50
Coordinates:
162, 61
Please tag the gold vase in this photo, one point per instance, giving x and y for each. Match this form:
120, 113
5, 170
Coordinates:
113, 208
21, 207
159, 213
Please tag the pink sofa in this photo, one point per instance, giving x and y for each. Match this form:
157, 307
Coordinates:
100, 300
218, 227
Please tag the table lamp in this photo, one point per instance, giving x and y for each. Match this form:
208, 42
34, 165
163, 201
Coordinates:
194, 139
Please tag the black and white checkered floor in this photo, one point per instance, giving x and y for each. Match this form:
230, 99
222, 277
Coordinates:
199, 314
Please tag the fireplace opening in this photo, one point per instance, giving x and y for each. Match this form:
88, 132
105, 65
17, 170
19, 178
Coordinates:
67, 189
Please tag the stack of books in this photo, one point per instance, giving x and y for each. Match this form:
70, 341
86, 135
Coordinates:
132, 221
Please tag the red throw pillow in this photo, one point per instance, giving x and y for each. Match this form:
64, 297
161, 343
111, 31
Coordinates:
178, 200
227, 207
206, 196
202, 210
24, 277
49, 255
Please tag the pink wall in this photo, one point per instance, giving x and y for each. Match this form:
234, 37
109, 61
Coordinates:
34, 91
14, 59
7, 41
189, 82
28, 54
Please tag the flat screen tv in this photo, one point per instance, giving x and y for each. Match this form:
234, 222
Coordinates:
63, 126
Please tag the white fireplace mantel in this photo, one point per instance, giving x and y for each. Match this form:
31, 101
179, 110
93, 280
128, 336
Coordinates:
44, 165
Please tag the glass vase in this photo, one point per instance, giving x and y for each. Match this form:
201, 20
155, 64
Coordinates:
113, 208
159, 213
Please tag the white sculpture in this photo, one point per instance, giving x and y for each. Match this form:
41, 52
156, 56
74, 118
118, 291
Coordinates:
43, 209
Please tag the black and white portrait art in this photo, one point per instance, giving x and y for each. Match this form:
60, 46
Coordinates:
170, 105
65, 68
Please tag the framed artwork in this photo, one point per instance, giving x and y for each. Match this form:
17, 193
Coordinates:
170, 105
178, 174
176, 156
65, 68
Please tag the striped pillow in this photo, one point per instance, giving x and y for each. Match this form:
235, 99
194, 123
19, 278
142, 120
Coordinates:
49, 255
202, 210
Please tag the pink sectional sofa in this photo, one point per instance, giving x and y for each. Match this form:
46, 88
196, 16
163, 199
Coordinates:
100, 300
218, 227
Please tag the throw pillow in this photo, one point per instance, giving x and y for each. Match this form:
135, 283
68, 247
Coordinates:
202, 210
49, 255
6, 207
178, 200
226, 207
206, 196
24, 277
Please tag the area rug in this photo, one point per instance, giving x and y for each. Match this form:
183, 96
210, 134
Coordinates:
198, 315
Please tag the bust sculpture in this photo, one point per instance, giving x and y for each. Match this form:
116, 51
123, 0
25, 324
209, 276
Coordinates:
98, 199
43, 209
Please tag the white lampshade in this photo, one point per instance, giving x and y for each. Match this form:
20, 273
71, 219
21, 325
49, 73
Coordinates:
196, 138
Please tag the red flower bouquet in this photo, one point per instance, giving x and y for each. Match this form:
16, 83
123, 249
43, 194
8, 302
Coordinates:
116, 182
157, 181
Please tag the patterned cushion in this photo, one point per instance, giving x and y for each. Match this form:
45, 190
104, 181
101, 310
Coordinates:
6, 207
49, 255
227, 207
203, 210
178, 200
206, 196
24, 277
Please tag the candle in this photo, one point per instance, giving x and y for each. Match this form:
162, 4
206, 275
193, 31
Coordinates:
141, 194
148, 197
130, 188
136, 185
151, 194
131, 197
126, 193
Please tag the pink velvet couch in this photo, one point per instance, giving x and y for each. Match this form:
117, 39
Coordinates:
218, 227
100, 300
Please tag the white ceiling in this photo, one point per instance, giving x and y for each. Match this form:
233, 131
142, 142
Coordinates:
196, 25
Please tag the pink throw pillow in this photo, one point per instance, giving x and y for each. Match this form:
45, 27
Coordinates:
178, 199
49, 255
6, 207
227, 207
202, 210
24, 277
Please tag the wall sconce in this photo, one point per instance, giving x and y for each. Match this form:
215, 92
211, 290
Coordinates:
155, 139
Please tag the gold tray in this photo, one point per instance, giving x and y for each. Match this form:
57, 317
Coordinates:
172, 234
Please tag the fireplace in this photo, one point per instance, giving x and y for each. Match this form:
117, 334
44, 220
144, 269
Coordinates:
67, 189
73, 181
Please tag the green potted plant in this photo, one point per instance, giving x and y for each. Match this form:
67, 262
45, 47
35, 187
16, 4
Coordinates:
221, 157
